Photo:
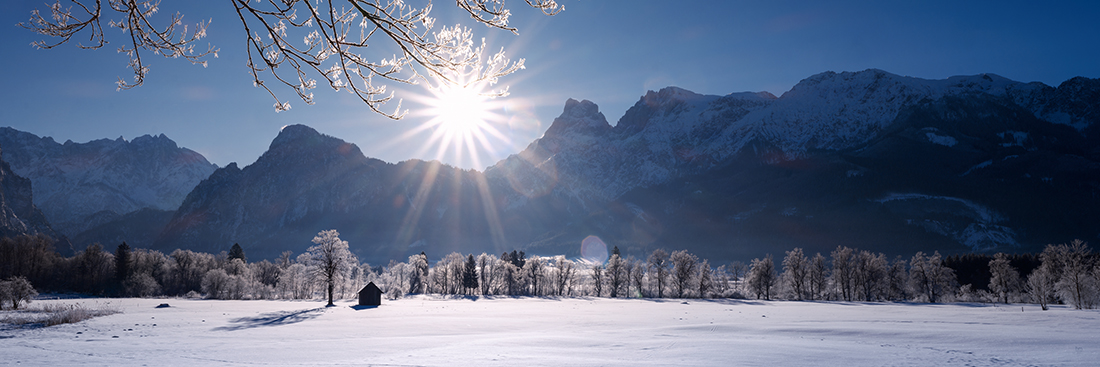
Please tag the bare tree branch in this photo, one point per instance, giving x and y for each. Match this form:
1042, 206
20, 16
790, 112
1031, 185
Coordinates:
329, 49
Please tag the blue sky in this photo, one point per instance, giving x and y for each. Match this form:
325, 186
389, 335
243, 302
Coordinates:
607, 51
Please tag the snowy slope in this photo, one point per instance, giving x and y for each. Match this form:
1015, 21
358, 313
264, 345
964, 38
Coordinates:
428, 331
674, 131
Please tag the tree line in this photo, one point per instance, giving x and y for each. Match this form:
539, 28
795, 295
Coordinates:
1065, 273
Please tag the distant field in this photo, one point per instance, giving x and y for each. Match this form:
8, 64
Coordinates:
427, 330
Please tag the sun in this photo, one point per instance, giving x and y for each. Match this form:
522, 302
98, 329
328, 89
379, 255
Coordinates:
462, 120
460, 111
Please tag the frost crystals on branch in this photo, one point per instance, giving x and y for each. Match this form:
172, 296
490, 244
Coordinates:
316, 40
171, 41
329, 258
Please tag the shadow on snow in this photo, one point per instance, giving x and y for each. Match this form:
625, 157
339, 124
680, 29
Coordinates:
362, 307
272, 319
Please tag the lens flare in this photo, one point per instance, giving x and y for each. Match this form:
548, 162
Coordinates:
594, 250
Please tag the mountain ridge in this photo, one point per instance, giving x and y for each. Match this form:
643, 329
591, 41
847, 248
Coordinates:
863, 159
81, 185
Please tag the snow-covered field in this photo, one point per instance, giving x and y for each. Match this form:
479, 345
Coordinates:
427, 330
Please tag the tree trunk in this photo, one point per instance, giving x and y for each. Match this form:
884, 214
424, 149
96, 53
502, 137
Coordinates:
330, 286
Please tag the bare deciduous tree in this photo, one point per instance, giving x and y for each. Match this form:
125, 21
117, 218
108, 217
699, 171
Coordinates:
930, 278
658, 264
843, 272
297, 42
796, 273
1040, 285
329, 258
486, 265
683, 270
817, 277
1004, 278
1074, 279
762, 277
617, 275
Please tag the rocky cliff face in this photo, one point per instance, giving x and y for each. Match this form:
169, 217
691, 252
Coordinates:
18, 215
82, 185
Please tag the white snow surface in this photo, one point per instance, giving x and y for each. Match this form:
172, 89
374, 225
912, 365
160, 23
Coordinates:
433, 331
946, 141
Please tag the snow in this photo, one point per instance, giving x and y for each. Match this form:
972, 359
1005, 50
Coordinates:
984, 164
946, 141
1013, 138
982, 213
426, 330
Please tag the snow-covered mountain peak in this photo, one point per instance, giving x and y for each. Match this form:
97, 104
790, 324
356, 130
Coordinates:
578, 117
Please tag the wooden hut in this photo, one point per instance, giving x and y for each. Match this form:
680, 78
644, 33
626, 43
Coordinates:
370, 295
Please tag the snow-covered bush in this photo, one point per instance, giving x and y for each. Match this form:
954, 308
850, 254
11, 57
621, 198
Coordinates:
16, 290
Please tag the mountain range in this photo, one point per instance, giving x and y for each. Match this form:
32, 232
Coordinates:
862, 159
82, 186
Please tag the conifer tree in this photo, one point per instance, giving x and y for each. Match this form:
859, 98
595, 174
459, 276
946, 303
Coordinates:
236, 252
469, 274
122, 262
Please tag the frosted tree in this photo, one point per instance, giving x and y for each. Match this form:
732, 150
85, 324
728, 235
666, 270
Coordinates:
534, 271
395, 279
738, 272
508, 273
1040, 286
869, 272
817, 277
762, 277
658, 266
329, 258
189, 268
929, 277
897, 281
617, 277
706, 278
418, 273
597, 279
266, 272
486, 265
215, 284
446, 276
1004, 278
683, 271
637, 277
296, 282
1075, 283
796, 271
141, 285
565, 274
298, 42
843, 272
16, 290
